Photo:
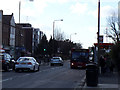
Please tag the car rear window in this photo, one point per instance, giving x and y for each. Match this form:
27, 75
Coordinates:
1, 57
24, 59
56, 58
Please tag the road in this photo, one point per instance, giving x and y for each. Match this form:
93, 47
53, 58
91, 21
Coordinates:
47, 77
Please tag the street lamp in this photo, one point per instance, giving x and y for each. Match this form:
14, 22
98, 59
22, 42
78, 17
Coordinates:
20, 8
72, 34
54, 25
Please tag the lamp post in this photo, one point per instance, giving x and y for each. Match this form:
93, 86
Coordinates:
98, 33
20, 8
53, 34
72, 34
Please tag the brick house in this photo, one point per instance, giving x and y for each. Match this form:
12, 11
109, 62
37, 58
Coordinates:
8, 34
24, 36
28, 37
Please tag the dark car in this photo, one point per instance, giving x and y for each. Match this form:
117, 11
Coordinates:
7, 61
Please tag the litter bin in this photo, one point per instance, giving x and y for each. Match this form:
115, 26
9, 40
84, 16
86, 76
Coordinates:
91, 74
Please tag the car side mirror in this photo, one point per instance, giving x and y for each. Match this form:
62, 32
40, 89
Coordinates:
12, 60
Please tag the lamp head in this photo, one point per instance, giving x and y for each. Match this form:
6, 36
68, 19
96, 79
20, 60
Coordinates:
31, 0
61, 20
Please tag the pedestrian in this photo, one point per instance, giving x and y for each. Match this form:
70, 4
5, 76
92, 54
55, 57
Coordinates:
108, 63
112, 66
102, 64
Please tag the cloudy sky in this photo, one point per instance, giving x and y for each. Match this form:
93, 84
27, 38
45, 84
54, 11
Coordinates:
79, 16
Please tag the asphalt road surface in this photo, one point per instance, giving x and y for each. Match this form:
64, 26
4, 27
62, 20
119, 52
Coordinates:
47, 77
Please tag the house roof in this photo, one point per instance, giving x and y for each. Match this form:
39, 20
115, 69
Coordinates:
104, 44
7, 19
24, 24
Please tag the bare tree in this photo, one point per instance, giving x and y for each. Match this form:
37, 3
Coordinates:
78, 45
113, 31
59, 35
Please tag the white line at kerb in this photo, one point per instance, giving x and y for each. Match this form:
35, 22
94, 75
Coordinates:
6, 79
25, 75
13, 77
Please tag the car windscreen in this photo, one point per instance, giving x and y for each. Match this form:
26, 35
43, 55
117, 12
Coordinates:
80, 56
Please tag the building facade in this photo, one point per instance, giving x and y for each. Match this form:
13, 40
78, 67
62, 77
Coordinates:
24, 37
17, 38
1, 14
8, 34
19, 41
37, 36
119, 16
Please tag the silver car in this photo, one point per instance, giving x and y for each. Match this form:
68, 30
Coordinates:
56, 60
27, 63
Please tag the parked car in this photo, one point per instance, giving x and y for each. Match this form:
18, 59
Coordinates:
27, 63
7, 61
56, 60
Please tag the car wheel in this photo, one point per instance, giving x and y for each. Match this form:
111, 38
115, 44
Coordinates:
13, 67
16, 70
7, 68
21, 70
38, 68
51, 64
34, 69
61, 64
72, 67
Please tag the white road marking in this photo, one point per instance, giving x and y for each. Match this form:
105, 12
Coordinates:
14, 77
52, 68
27, 74
6, 79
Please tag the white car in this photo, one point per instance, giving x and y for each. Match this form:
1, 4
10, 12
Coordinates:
27, 63
56, 60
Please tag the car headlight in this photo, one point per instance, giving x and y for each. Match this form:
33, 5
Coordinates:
72, 64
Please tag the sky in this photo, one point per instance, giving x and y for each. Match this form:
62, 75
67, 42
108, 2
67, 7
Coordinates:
79, 16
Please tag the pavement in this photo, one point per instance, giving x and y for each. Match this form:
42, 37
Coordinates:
106, 81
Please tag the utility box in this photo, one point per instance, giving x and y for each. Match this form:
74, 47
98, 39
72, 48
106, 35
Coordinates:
91, 74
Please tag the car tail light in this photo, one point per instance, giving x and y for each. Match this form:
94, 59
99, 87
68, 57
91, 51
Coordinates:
29, 63
17, 63
3, 61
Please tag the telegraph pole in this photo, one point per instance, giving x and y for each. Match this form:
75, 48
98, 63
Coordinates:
19, 10
98, 33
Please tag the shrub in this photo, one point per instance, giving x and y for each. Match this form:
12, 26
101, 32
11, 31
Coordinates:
115, 53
